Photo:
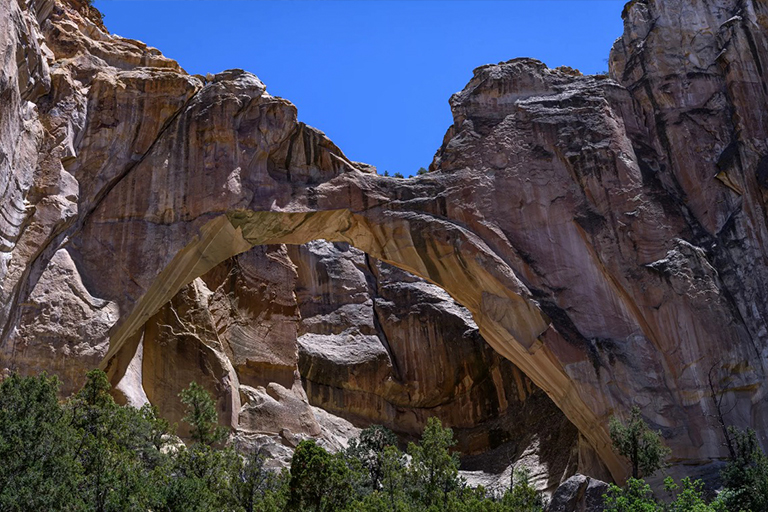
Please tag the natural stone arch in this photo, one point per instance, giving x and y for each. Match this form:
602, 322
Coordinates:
442, 252
651, 270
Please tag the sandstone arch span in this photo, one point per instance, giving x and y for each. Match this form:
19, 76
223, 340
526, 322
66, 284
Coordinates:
442, 252
632, 207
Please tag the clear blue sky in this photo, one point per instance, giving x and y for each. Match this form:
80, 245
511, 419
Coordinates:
374, 75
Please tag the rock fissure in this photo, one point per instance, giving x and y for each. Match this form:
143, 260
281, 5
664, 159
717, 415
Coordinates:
377, 321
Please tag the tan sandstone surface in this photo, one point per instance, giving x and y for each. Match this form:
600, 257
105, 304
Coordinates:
606, 236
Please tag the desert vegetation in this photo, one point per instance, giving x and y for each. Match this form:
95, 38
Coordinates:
89, 453
744, 479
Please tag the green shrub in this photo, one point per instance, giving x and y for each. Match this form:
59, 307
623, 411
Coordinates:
637, 442
689, 497
319, 481
746, 475
522, 496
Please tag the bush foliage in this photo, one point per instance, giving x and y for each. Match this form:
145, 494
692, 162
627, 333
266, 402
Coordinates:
745, 478
87, 453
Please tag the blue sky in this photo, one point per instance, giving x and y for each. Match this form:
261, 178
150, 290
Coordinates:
374, 75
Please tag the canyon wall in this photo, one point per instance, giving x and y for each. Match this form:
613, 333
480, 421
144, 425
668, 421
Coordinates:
581, 244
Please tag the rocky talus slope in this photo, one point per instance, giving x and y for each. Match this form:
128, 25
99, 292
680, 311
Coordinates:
582, 244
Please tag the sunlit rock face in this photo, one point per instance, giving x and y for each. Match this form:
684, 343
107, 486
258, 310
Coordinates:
606, 236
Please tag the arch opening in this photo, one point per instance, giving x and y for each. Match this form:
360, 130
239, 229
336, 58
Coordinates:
441, 252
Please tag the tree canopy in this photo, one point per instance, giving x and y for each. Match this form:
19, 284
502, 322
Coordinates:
89, 453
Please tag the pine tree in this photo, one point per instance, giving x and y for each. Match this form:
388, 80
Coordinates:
368, 448
434, 470
201, 415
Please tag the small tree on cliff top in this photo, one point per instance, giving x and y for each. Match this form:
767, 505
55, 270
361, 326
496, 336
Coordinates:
637, 442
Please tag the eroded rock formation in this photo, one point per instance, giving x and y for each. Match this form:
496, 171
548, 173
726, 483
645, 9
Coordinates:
606, 235
378, 345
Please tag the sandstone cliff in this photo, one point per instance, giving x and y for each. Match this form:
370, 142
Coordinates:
605, 235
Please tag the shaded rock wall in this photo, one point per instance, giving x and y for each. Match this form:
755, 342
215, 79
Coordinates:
369, 343
379, 345
606, 234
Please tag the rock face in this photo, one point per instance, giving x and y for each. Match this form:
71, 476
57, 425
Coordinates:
606, 236
579, 494
374, 341
379, 345
235, 328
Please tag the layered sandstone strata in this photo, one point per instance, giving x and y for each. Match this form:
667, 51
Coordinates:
605, 234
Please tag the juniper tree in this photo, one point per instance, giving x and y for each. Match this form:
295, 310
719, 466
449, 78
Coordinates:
637, 442
114, 450
319, 481
38, 470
